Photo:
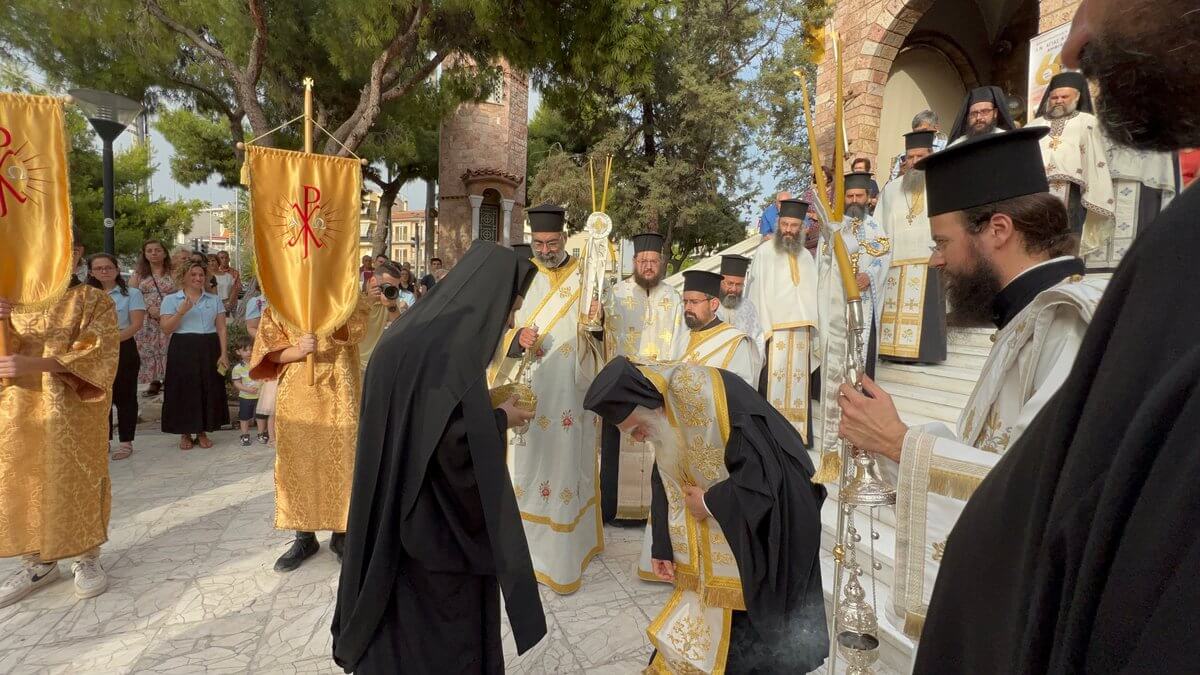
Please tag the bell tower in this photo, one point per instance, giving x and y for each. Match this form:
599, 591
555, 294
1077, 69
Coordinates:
481, 168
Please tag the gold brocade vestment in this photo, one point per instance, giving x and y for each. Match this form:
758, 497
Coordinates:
316, 426
55, 493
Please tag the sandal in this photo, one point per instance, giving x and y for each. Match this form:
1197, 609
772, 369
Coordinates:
203, 442
123, 452
185, 443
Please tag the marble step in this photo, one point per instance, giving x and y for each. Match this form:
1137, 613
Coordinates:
940, 377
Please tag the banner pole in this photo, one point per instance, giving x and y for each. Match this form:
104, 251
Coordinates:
308, 148
4, 348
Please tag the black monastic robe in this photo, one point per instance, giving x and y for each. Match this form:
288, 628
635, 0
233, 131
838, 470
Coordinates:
434, 533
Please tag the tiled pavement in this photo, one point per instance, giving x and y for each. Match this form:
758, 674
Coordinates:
189, 557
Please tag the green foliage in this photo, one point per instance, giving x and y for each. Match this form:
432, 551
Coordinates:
201, 146
690, 124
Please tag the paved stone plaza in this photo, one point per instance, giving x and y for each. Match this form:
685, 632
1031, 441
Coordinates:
189, 558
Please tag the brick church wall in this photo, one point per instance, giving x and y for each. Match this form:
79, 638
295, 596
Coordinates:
873, 33
481, 136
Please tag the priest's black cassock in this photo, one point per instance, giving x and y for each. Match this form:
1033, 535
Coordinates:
769, 511
1078, 553
434, 529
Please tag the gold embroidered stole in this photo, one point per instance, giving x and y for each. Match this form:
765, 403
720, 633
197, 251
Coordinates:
545, 313
712, 347
640, 325
691, 633
903, 308
788, 375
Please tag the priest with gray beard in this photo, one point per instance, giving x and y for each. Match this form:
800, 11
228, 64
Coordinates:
1076, 157
737, 519
736, 309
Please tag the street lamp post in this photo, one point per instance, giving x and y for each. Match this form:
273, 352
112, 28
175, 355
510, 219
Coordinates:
110, 114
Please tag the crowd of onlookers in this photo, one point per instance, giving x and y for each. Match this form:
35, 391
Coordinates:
187, 327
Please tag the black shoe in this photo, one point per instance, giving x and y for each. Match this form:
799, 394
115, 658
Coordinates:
263, 439
304, 547
337, 544
245, 440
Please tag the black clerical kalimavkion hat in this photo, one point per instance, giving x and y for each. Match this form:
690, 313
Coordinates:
523, 251
985, 170
708, 283
546, 217
734, 265
859, 180
648, 241
915, 140
793, 208
618, 389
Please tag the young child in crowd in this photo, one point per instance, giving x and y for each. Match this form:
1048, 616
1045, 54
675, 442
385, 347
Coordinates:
248, 391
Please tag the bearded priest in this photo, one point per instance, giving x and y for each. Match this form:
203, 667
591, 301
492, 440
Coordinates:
743, 520
1003, 245
1075, 154
870, 252
782, 284
643, 319
553, 461
912, 326
737, 309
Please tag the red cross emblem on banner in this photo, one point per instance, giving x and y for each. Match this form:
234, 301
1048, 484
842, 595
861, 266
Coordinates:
14, 173
304, 224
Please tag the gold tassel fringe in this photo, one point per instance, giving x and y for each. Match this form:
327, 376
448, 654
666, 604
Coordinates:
830, 469
725, 598
913, 625
953, 484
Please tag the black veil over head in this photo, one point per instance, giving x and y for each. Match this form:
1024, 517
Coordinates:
1071, 79
429, 362
994, 94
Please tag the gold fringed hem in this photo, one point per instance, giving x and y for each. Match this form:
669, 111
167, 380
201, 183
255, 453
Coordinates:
830, 469
687, 581
953, 484
727, 598
913, 625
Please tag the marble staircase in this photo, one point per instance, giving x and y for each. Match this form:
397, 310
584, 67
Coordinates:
923, 394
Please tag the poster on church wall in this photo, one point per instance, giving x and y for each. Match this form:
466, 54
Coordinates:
1045, 61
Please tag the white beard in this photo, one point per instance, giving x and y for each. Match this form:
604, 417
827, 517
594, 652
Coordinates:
662, 436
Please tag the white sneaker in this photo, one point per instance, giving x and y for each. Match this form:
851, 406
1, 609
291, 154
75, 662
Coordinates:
90, 579
27, 580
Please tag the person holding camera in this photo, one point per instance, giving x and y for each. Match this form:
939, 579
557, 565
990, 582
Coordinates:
395, 296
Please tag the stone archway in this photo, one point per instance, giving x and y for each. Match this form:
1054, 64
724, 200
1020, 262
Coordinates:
983, 39
490, 225
872, 34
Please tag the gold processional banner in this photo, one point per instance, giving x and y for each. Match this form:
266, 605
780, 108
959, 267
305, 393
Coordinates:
305, 211
35, 203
